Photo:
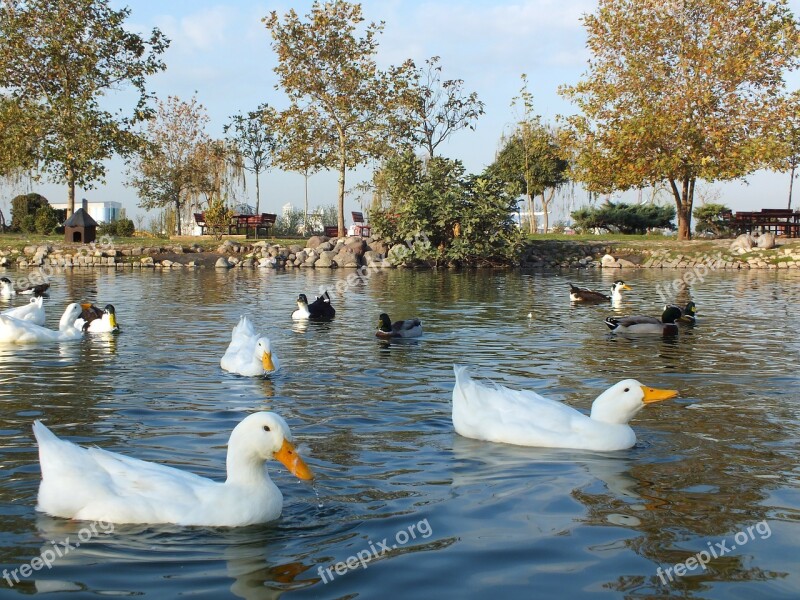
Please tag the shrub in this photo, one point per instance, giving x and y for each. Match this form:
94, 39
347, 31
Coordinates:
24, 206
713, 217
45, 220
625, 218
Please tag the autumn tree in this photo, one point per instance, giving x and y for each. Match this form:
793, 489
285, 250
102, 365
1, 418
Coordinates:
166, 175
305, 146
328, 71
531, 160
438, 108
680, 91
58, 59
254, 136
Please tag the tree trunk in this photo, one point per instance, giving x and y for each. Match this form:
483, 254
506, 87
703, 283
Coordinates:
258, 195
70, 192
342, 169
305, 209
178, 216
531, 216
791, 185
683, 205
545, 207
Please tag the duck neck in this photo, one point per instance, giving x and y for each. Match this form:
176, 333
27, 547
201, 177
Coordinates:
244, 466
67, 321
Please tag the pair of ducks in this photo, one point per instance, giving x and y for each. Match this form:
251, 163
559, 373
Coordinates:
94, 484
7, 289
25, 324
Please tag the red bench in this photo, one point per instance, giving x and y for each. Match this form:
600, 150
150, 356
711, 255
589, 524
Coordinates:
259, 223
360, 227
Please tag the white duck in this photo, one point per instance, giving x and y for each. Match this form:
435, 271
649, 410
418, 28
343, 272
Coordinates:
249, 354
495, 413
92, 484
16, 331
32, 312
6, 288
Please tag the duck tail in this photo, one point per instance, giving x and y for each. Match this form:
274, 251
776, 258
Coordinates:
462, 380
573, 288
612, 323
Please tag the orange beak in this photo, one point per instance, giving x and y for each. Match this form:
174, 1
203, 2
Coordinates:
266, 362
655, 395
290, 459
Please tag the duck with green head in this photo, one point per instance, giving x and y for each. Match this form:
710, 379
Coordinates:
651, 325
409, 328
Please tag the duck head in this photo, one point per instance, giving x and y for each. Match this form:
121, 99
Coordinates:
112, 315
671, 314
71, 314
262, 436
302, 301
264, 352
618, 286
384, 323
690, 312
619, 403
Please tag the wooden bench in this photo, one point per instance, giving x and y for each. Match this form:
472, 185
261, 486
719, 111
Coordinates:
331, 231
779, 221
200, 221
259, 223
360, 227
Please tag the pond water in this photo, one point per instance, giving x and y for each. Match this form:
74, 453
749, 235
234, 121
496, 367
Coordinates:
717, 465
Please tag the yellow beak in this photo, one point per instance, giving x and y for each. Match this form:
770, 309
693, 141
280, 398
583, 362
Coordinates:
266, 361
625, 286
113, 320
655, 395
292, 461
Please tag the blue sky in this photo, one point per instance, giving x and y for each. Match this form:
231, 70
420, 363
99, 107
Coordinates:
222, 52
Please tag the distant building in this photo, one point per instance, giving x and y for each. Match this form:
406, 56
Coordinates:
102, 212
287, 208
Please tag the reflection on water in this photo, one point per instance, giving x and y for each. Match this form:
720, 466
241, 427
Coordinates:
373, 420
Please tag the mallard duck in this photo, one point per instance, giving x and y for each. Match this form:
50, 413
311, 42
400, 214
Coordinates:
33, 311
6, 288
577, 294
96, 320
410, 328
689, 313
249, 354
495, 413
25, 332
91, 484
321, 308
664, 326
37, 290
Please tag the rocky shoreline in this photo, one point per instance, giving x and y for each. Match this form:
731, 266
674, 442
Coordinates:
377, 253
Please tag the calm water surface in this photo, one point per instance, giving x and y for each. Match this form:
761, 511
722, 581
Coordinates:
373, 421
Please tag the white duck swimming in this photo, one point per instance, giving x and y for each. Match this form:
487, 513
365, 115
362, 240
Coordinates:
6, 288
32, 312
16, 331
249, 354
495, 413
92, 484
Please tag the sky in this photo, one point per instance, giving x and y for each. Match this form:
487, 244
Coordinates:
221, 53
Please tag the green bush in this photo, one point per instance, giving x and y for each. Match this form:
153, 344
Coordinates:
713, 217
625, 218
444, 215
122, 227
24, 206
45, 220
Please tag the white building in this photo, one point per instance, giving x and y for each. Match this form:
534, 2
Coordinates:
102, 212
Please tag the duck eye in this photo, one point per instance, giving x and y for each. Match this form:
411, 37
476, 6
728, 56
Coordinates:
627, 389
266, 428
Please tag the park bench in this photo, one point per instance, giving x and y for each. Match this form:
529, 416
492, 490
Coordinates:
200, 220
780, 221
258, 223
331, 231
360, 228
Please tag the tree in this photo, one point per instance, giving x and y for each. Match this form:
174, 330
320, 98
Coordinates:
305, 147
25, 206
713, 217
254, 135
166, 174
439, 108
58, 58
327, 71
680, 91
531, 161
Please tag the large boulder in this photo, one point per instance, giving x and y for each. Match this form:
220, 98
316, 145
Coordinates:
766, 240
314, 241
743, 243
379, 246
355, 245
222, 263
